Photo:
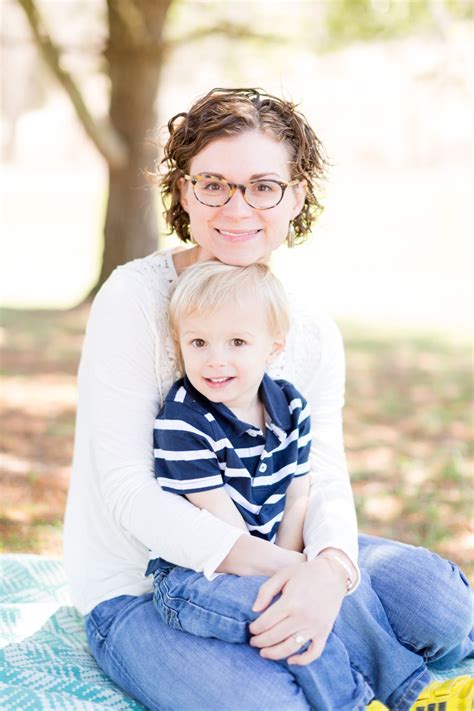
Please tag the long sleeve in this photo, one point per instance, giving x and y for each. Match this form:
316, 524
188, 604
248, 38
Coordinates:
116, 510
315, 363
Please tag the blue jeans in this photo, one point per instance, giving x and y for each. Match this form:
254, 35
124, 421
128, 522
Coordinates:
362, 641
425, 598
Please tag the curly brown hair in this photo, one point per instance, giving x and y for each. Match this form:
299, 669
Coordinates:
227, 112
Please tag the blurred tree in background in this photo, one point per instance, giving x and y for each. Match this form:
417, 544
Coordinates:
137, 46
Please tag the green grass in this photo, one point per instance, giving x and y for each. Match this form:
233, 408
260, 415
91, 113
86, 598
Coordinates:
408, 428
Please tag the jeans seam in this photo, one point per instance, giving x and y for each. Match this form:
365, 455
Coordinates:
165, 596
171, 616
109, 650
403, 698
117, 662
411, 647
211, 613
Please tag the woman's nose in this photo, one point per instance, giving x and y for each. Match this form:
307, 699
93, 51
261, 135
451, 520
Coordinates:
237, 204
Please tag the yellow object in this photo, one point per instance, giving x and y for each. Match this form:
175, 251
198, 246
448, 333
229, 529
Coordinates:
376, 706
452, 695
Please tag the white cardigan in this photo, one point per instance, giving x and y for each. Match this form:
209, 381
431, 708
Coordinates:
116, 511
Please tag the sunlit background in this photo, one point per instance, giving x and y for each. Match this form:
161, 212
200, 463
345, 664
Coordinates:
387, 85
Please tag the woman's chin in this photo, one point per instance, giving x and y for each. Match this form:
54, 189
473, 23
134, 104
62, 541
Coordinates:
241, 258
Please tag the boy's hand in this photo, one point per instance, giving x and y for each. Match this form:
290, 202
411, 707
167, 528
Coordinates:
311, 597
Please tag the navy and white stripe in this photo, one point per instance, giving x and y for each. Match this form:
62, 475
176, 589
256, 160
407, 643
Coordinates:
200, 445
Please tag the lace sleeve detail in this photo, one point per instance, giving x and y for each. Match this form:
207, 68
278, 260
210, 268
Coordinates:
158, 274
302, 354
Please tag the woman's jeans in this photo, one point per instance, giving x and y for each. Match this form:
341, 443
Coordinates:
426, 605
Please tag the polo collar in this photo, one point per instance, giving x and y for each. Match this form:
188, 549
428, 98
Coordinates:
274, 402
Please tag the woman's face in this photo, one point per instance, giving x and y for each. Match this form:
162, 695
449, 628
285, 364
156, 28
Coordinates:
236, 233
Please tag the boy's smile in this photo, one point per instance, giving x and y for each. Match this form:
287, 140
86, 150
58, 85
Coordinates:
226, 352
219, 382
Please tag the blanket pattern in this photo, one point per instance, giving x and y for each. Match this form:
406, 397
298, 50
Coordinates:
44, 661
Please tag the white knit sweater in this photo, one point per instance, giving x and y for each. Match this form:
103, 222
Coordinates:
116, 511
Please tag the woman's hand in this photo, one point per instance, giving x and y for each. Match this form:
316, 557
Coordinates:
311, 596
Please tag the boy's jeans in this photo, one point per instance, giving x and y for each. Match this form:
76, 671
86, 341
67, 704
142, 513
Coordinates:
427, 601
362, 653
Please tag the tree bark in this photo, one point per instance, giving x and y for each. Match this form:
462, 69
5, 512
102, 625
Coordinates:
105, 139
135, 54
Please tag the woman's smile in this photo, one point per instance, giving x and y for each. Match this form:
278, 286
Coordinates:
236, 233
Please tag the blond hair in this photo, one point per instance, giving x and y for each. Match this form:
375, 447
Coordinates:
206, 286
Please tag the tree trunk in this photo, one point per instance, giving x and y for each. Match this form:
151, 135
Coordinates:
134, 54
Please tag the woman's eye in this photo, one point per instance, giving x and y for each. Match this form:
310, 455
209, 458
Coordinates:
264, 187
198, 343
212, 187
238, 342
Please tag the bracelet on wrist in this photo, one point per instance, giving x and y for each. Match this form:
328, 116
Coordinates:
348, 571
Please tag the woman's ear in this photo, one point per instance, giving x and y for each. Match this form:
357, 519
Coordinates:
278, 346
182, 186
299, 191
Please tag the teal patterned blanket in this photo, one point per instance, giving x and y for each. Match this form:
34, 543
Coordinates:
44, 661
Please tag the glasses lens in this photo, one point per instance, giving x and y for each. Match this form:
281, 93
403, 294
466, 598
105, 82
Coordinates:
211, 191
263, 194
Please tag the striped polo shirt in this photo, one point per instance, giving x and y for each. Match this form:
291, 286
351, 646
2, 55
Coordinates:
200, 445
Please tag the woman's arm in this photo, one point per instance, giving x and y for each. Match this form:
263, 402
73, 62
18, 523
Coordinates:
118, 403
316, 363
312, 593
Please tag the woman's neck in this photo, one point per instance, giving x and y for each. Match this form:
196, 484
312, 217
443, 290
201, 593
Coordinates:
185, 257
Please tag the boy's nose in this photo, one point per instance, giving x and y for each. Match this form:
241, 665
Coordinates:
216, 358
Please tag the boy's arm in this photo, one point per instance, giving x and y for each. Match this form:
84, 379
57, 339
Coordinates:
219, 503
186, 463
290, 531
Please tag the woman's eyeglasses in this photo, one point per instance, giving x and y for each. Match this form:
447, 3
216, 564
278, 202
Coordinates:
259, 194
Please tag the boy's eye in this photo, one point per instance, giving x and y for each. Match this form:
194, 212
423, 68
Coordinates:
238, 342
198, 342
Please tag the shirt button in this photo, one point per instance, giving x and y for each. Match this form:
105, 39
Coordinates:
262, 468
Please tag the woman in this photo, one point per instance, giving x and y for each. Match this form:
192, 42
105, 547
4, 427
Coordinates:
117, 514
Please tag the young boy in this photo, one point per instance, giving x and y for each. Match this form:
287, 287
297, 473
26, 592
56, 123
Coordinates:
229, 438
236, 443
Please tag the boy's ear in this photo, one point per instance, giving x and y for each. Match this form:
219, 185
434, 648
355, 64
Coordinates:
278, 346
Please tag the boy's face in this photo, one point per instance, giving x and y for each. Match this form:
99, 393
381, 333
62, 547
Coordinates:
225, 352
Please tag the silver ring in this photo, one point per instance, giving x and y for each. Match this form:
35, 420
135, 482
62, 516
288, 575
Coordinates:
299, 639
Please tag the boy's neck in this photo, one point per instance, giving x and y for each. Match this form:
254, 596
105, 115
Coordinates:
254, 414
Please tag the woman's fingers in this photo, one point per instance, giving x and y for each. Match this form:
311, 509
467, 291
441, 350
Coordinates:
314, 651
269, 619
288, 648
311, 596
269, 589
276, 634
